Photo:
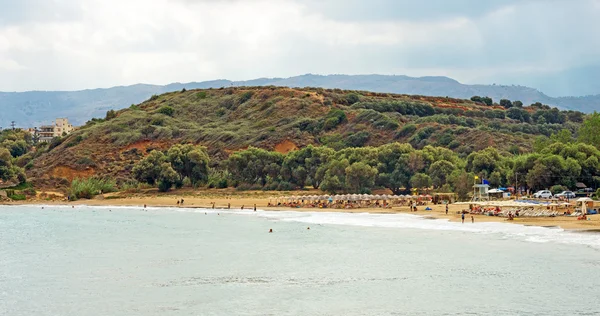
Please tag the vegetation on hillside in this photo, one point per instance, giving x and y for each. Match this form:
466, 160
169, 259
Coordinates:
426, 140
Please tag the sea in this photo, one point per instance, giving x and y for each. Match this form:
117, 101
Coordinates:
98, 261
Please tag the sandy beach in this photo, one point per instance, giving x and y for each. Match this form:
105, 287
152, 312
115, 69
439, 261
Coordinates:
236, 200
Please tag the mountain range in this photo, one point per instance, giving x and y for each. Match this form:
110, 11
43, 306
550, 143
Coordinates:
33, 108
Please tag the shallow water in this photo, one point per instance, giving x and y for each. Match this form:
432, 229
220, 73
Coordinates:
92, 261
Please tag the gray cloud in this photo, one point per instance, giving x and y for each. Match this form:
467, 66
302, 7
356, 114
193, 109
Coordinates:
71, 44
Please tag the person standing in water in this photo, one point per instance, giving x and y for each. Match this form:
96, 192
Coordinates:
255, 207
463, 218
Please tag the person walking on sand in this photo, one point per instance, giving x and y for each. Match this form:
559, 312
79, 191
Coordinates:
228, 205
472, 219
255, 207
177, 202
446, 208
463, 218
242, 207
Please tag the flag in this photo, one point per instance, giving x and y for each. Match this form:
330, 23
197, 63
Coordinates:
485, 181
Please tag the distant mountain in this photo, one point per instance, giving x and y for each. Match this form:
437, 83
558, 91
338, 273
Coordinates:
38, 107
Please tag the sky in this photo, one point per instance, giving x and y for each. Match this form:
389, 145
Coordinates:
81, 44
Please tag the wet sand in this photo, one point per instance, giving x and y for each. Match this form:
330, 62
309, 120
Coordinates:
261, 199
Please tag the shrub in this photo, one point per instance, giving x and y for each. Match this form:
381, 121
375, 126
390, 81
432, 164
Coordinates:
86, 161
18, 197
246, 96
166, 110
357, 139
406, 131
90, 187
557, 189
334, 118
154, 97
201, 95
55, 142
352, 98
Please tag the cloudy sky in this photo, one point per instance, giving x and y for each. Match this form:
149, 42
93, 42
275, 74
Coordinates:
78, 44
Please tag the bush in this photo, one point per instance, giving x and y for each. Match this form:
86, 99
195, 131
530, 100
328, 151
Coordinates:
201, 95
557, 189
246, 96
90, 187
166, 110
18, 197
352, 98
406, 131
86, 161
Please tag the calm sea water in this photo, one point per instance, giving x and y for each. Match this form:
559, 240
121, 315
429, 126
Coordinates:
92, 261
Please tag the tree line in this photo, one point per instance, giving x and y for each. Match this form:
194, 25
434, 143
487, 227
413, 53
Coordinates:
559, 160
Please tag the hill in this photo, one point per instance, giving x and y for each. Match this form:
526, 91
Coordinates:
282, 119
38, 107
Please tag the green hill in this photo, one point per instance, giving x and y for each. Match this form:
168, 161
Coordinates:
283, 119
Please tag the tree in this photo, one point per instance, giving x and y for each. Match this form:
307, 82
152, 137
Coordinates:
476, 98
253, 165
8, 171
189, 162
111, 114
518, 104
462, 183
440, 171
420, 181
564, 136
506, 103
334, 178
588, 132
360, 177
487, 100
148, 170
301, 166
519, 114
167, 177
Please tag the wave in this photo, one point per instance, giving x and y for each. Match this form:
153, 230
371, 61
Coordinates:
402, 221
406, 221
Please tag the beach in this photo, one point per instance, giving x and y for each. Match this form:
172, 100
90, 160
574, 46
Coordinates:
237, 200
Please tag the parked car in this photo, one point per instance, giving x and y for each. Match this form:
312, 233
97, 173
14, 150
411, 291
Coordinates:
543, 194
565, 195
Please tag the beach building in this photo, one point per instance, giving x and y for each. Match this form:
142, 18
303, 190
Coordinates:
481, 192
59, 127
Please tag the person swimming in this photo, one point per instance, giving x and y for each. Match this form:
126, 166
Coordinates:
270, 230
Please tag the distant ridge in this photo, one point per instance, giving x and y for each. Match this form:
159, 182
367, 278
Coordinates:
36, 107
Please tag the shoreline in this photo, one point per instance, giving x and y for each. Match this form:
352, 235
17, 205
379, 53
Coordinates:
221, 203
